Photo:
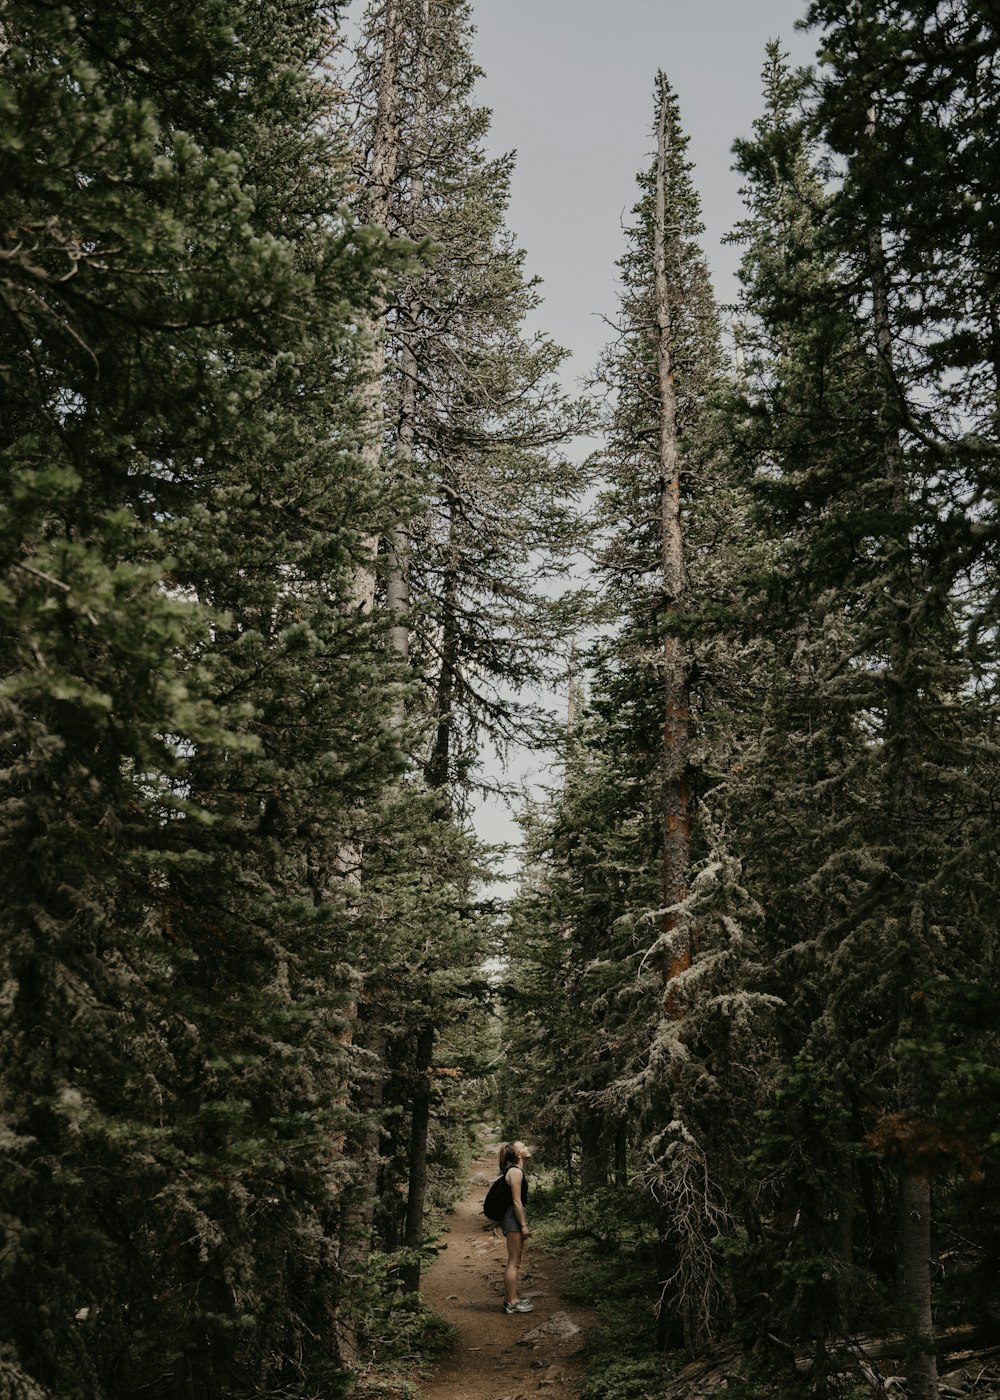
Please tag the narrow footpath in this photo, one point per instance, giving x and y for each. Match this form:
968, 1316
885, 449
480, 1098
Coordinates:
498, 1357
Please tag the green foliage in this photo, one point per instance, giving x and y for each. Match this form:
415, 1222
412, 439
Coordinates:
183, 686
465, 417
637, 1091
870, 733
843, 682
612, 1377
397, 1328
764, 1379
612, 1270
474, 413
243, 1000
959, 1138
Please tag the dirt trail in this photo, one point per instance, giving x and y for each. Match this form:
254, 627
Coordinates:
499, 1357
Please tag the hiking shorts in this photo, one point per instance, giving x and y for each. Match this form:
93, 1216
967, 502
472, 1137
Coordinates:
509, 1224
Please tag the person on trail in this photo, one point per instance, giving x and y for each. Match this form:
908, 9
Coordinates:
514, 1225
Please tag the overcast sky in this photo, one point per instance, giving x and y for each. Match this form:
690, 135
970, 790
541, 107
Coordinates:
570, 83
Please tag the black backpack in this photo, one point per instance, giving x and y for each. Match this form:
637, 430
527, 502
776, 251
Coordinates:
499, 1199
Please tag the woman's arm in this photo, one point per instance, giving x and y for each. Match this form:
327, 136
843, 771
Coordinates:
515, 1179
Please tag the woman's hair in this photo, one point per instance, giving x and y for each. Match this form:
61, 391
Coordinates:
508, 1156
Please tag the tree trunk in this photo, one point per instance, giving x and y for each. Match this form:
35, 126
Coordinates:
397, 578
439, 764
845, 1226
621, 1157
397, 581
363, 1149
593, 1164
846, 1204
359, 1203
417, 1185
398, 545
913, 1245
675, 791
380, 178
914, 1252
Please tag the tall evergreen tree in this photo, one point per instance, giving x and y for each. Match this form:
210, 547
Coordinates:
877, 725
658, 373
472, 404
890, 67
468, 409
646, 900
182, 682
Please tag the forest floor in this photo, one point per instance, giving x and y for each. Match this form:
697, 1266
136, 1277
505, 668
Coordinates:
497, 1357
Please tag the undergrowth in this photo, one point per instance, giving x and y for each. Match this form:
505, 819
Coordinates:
613, 1271
402, 1337
760, 1383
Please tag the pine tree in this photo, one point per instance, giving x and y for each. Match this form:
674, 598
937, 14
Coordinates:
650, 1072
876, 725
800, 798
578, 989
467, 411
841, 678
473, 403
929, 728
184, 514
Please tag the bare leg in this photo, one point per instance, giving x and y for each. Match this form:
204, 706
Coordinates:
515, 1243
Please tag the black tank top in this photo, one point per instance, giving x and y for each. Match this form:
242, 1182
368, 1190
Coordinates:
524, 1187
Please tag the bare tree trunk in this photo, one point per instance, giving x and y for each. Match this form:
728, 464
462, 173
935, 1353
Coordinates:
913, 1245
572, 692
417, 1185
398, 544
914, 1251
359, 1204
397, 584
845, 1219
621, 1156
438, 766
847, 1199
593, 1162
676, 839
994, 316
380, 178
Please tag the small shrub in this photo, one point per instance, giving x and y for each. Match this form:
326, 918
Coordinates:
640, 1379
398, 1328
